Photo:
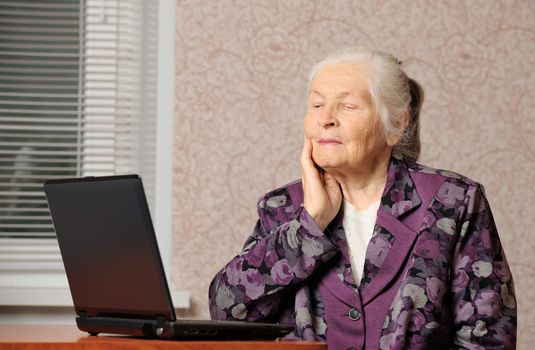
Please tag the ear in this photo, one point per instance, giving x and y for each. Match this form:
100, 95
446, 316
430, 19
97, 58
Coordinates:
402, 123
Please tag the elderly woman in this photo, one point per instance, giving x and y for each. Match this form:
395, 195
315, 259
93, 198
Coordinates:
370, 249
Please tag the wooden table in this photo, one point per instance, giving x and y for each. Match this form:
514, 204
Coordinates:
46, 337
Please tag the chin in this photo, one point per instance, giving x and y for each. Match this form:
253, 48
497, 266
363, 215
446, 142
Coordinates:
327, 160
327, 164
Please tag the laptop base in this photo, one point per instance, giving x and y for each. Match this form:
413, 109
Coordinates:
180, 329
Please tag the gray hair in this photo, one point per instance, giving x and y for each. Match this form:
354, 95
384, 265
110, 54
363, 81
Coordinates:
394, 94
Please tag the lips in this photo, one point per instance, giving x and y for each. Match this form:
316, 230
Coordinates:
329, 141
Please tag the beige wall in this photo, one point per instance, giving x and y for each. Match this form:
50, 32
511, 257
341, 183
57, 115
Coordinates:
241, 69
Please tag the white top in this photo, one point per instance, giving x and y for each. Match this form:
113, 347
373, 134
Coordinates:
358, 227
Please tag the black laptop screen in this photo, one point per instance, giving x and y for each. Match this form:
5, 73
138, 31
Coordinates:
108, 247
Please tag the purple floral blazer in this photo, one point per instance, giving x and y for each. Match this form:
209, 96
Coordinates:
435, 274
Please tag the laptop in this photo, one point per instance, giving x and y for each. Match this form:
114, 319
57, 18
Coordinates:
113, 264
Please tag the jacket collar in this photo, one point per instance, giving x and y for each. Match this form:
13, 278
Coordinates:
399, 196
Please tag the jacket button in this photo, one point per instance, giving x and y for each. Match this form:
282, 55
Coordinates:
354, 314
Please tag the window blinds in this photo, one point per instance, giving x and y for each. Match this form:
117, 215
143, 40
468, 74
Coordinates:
77, 98
39, 108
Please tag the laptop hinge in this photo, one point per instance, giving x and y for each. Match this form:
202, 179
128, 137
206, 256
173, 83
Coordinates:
160, 326
82, 315
160, 321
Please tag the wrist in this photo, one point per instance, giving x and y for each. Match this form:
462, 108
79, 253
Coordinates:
320, 221
307, 216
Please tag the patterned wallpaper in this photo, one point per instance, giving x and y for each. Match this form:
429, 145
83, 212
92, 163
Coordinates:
241, 70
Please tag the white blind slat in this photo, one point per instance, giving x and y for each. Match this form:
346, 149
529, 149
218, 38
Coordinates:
40, 5
34, 22
43, 54
22, 95
41, 14
26, 29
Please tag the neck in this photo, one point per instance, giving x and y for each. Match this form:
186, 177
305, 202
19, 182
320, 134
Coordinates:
364, 186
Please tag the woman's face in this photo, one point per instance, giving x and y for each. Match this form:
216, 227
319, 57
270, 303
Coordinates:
341, 120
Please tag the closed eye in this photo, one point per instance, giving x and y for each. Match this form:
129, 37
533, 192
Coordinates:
350, 106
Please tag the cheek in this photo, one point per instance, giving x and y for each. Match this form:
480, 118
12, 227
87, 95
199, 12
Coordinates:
356, 134
364, 137
307, 124
371, 131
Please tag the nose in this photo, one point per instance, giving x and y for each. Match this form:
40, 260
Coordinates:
327, 118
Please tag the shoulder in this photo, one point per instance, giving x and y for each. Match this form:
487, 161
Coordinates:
454, 191
416, 168
423, 173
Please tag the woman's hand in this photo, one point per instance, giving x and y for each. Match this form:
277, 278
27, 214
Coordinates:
322, 194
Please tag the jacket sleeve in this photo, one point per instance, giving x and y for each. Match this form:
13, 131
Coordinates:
285, 248
484, 304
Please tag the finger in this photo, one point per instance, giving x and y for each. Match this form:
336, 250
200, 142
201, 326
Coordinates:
331, 186
330, 181
306, 154
302, 161
333, 189
307, 164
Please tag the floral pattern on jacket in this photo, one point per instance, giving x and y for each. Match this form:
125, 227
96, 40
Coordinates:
450, 286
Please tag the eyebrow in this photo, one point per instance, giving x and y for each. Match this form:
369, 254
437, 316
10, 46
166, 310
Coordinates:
342, 95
